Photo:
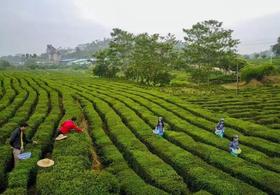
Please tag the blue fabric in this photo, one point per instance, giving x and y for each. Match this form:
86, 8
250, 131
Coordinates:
234, 145
220, 126
24, 155
220, 133
160, 124
234, 148
235, 152
159, 129
220, 129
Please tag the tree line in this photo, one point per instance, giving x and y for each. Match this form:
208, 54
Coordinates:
150, 58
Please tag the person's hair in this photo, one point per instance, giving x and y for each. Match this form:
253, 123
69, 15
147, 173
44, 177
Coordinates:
74, 118
23, 124
235, 137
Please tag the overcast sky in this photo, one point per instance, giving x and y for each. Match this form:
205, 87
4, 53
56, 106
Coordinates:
29, 25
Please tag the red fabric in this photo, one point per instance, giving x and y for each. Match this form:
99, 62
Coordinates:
67, 126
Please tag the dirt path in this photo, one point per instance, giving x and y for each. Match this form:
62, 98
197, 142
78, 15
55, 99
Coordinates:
96, 163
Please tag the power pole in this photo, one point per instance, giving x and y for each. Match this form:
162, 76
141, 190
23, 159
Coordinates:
271, 53
237, 79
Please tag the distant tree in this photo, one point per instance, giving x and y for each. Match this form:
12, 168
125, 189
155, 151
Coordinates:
77, 49
31, 63
229, 63
263, 55
256, 55
4, 64
143, 58
121, 46
103, 66
116, 57
276, 48
173, 51
152, 58
180, 62
206, 44
100, 65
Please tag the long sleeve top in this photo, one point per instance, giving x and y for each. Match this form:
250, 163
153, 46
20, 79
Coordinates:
67, 126
160, 124
220, 126
234, 145
18, 139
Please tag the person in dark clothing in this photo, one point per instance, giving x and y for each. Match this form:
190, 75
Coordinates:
18, 139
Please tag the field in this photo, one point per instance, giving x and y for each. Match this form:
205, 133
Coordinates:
119, 154
260, 105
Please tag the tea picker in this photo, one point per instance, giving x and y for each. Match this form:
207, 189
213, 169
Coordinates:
220, 128
66, 127
18, 140
159, 129
234, 146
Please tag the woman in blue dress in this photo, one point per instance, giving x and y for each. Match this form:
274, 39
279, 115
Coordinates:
234, 148
159, 130
220, 128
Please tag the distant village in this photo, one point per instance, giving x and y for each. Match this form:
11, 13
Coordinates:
82, 55
55, 57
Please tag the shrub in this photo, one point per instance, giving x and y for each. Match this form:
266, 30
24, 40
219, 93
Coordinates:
181, 161
77, 182
221, 78
5, 161
4, 64
25, 172
162, 78
177, 123
256, 72
15, 191
130, 182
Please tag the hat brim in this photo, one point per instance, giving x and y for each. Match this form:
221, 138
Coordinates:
45, 163
60, 137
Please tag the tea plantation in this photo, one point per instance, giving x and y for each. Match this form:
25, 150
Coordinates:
260, 105
118, 153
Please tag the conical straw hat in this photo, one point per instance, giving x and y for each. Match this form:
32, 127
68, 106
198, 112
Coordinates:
60, 137
45, 162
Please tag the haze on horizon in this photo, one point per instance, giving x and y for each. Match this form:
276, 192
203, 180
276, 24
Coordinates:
28, 26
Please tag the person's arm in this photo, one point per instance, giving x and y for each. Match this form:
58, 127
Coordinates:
217, 126
74, 126
13, 137
26, 140
230, 145
62, 124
